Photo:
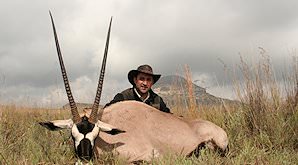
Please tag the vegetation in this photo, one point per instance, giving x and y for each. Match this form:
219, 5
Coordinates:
262, 129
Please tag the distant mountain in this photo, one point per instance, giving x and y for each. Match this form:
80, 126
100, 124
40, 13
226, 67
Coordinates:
174, 90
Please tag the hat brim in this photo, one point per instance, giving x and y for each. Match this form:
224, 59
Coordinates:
133, 73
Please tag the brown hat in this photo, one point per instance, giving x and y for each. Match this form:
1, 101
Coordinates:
142, 69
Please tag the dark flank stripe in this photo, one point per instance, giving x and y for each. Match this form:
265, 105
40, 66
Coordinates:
50, 126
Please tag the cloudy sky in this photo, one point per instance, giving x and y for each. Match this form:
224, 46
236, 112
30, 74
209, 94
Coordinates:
167, 34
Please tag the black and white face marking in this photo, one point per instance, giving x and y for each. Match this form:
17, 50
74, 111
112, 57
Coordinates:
84, 135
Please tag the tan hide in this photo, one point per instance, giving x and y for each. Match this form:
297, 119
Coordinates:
152, 133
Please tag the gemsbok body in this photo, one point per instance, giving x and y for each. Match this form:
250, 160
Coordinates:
132, 129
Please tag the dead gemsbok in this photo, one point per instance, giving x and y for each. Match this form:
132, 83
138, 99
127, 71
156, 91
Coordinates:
133, 129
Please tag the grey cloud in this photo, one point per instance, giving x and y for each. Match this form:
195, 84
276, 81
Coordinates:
165, 34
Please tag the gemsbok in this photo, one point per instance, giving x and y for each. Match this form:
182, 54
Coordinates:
132, 129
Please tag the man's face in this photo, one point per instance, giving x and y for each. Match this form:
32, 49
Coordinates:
143, 82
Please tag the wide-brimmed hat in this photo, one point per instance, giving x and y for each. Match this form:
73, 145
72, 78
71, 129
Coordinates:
142, 69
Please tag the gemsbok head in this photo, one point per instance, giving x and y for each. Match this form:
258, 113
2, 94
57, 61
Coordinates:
84, 130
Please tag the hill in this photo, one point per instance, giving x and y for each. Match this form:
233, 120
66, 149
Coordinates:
174, 90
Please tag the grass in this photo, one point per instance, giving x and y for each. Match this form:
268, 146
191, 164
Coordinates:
262, 129
23, 141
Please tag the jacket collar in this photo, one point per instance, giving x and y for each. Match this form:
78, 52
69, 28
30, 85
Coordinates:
143, 100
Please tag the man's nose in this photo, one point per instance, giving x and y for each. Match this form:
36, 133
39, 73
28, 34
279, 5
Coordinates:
145, 82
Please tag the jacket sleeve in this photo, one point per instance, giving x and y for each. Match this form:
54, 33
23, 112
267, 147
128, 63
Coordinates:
163, 106
117, 98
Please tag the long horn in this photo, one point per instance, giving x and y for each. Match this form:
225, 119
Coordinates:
73, 107
93, 115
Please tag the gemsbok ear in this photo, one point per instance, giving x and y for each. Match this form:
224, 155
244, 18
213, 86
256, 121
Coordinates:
57, 124
107, 128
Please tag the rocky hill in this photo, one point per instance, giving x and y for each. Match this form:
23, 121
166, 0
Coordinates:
174, 91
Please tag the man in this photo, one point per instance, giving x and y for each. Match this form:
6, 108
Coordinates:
142, 80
